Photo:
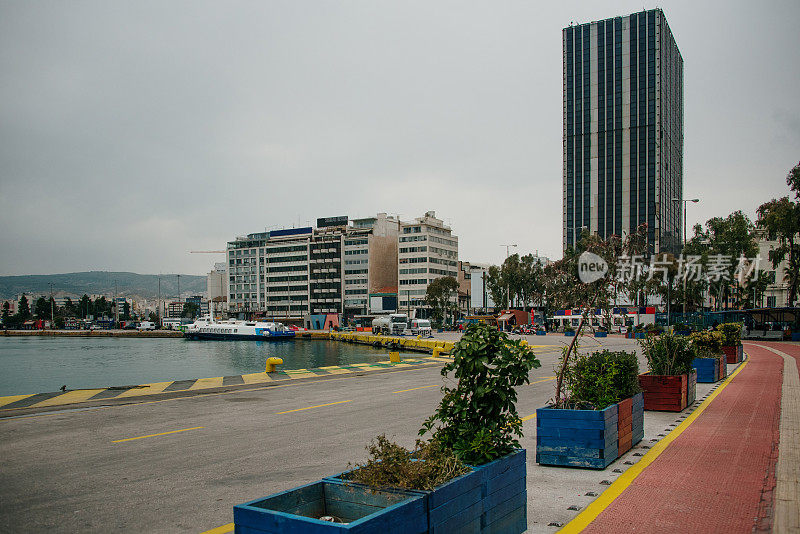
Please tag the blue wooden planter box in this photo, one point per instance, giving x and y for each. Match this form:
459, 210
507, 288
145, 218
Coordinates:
492, 498
601, 334
710, 369
795, 336
543, 333
639, 335
364, 511
588, 438
569, 334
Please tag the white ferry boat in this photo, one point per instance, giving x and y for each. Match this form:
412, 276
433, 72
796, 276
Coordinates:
207, 328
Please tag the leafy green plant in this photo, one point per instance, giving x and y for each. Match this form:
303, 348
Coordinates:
569, 328
712, 341
391, 465
705, 352
731, 333
668, 354
478, 417
600, 379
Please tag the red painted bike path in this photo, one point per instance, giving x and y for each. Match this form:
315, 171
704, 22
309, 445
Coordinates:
719, 474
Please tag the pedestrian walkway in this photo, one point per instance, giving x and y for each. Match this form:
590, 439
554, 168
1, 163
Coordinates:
720, 473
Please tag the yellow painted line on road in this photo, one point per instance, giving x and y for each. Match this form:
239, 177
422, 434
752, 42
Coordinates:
255, 378
528, 418
590, 513
542, 380
203, 383
224, 529
310, 407
69, 397
13, 398
146, 389
159, 434
413, 389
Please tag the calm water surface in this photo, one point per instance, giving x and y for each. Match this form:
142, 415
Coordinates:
43, 364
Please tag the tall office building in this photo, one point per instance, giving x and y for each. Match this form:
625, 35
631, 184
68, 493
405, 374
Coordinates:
623, 129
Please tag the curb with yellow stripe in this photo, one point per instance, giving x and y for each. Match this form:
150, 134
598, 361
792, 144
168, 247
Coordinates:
60, 398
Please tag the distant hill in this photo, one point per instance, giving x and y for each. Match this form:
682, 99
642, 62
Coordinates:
102, 282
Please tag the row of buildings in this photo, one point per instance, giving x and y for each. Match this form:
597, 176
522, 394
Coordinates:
347, 267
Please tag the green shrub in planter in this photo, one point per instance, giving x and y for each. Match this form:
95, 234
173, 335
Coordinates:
671, 383
600, 379
732, 341
599, 419
477, 419
731, 333
393, 466
710, 341
668, 354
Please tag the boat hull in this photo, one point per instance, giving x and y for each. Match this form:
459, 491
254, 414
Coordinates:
275, 336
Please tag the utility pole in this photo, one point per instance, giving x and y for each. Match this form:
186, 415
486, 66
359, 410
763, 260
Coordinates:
158, 303
116, 306
52, 305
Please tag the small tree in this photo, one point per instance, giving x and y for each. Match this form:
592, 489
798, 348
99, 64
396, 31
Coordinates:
23, 310
439, 295
85, 306
126, 311
478, 418
781, 220
42, 308
6, 313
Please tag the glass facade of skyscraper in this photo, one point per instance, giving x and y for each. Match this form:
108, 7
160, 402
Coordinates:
623, 129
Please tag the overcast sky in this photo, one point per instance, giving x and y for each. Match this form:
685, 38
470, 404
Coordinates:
134, 132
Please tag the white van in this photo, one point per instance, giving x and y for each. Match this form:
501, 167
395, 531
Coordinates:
146, 325
421, 327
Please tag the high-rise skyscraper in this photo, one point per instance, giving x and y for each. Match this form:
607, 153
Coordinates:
623, 129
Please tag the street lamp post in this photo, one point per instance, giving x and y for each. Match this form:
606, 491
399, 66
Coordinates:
508, 284
684, 201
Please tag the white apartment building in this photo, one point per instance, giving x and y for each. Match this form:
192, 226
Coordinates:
427, 250
217, 286
777, 293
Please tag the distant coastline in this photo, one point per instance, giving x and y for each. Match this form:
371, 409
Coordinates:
93, 333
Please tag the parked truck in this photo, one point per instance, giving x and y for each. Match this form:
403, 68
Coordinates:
393, 324
421, 327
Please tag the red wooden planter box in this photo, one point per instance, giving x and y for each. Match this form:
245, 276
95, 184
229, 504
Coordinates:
668, 393
733, 353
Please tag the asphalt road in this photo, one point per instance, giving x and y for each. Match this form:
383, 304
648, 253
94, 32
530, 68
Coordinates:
193, 458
